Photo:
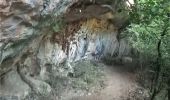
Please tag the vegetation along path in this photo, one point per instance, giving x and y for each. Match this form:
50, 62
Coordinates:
119, 85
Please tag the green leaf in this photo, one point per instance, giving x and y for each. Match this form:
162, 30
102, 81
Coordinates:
56, 28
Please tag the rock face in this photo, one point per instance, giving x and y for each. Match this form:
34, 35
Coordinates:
87, 34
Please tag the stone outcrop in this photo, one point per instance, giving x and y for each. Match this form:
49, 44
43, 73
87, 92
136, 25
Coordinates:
90, 31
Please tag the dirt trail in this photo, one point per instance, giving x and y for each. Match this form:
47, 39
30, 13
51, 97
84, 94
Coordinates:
118, 85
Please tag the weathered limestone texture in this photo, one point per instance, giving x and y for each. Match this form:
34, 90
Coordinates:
89, 31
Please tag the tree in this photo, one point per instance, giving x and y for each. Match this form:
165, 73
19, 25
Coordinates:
149, 34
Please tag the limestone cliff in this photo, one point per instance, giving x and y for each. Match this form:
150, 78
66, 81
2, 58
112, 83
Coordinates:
39, 35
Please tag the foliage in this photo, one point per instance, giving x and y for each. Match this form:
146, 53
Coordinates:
58, 83
149, 33
51, 22
87, 75
147, 24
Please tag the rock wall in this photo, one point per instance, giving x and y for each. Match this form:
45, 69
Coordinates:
89, 33
94, 39
19, 40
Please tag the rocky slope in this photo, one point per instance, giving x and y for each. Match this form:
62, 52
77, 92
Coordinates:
41, 35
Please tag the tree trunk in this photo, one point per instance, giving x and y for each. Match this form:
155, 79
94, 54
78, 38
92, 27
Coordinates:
168, 94
159, 61
169, 89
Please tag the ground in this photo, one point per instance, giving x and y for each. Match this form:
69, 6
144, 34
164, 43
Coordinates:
118, 85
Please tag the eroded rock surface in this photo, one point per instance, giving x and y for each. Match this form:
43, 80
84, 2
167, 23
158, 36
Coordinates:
89, 31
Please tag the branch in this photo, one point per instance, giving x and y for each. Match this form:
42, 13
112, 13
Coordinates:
159, 58
16, 60
4, 73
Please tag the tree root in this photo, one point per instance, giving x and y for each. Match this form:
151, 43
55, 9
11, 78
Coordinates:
25, 79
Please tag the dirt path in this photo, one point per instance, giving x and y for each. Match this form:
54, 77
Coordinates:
118, 85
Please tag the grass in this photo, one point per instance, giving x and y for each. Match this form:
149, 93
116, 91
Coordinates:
87, 75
